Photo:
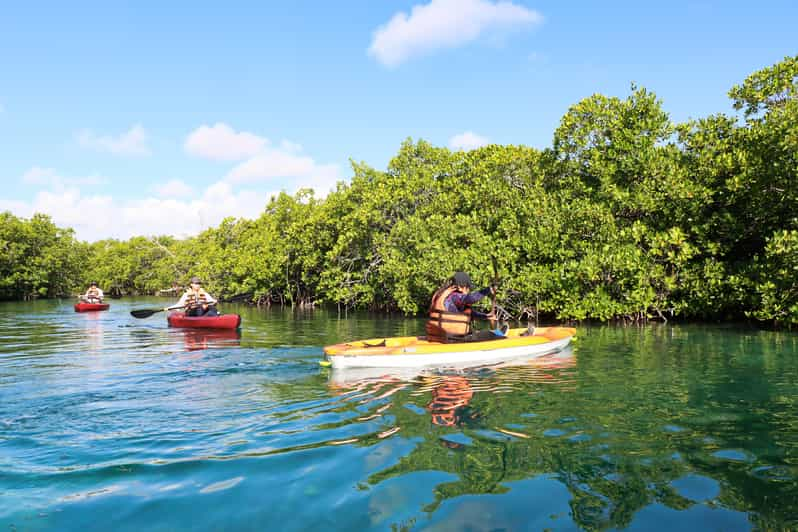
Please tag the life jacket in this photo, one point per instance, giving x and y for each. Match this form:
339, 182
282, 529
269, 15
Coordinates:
195, 299
443, 324
93, 292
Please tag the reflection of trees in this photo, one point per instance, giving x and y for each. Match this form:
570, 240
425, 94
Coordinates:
641, 410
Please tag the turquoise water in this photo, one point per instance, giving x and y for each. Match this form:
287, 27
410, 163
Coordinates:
113, 423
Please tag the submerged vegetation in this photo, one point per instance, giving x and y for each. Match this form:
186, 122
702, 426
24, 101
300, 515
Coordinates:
628, 215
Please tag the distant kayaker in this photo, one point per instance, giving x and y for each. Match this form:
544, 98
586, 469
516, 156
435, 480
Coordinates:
197, 301
451, 315
93, 294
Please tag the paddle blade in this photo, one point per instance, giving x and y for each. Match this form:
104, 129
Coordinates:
144, 313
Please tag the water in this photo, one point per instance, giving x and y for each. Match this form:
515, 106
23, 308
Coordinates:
113, 423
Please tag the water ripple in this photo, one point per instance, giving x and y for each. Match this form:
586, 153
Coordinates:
116, 423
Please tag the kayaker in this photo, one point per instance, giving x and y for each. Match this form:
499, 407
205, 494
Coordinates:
451, 315
93, 294
197, 301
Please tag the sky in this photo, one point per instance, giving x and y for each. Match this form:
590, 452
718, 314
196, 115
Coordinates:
144, 118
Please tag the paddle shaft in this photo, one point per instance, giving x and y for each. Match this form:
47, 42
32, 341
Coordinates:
493, 322
146, 313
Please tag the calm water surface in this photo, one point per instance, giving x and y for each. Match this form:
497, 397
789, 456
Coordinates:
113, 423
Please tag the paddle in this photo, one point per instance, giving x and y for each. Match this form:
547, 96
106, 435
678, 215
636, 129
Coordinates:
146, 313
494, 322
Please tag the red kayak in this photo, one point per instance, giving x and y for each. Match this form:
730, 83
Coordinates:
89, 307
225, 321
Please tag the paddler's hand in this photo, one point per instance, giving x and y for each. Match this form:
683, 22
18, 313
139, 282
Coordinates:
204, 307
490, 316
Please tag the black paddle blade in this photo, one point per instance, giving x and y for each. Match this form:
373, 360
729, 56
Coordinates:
144, 313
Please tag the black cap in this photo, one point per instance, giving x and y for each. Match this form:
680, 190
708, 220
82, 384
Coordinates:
462, 279
93, 283
195, 280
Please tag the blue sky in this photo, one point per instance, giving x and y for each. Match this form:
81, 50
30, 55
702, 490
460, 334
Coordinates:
164, 117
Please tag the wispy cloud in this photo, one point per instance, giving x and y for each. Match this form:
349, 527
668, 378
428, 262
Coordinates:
221, 142
133, 142
261, 161
275, 164
49, 177
467, 140
445, 24
175, 188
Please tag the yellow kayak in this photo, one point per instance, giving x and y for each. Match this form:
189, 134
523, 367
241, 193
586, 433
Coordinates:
417, 351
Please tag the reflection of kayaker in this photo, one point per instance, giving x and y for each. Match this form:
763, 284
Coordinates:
198, 339
450, 399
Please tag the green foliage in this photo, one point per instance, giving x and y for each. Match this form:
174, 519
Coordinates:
777, 280
770, 88
37, 259
627, 215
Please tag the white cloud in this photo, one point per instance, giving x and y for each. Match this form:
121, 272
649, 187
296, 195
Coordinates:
133, 142
291, 147
175, 207
221, 143
260, 160
173, 189
187, 217
39, 176
275, 165
467, 141
49, 177
445, 24
95, 216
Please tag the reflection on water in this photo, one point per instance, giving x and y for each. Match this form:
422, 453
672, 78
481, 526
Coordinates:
199, 339
107, 422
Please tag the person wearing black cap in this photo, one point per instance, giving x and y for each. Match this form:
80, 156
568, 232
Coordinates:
93, 294
451, 315
197, 301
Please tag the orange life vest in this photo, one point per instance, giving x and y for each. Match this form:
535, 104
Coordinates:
443, 324
195, 299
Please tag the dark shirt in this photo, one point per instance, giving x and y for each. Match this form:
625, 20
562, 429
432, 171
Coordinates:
458, 301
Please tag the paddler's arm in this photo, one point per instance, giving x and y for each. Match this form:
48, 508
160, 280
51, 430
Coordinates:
473, 297
476, 295
182, 301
